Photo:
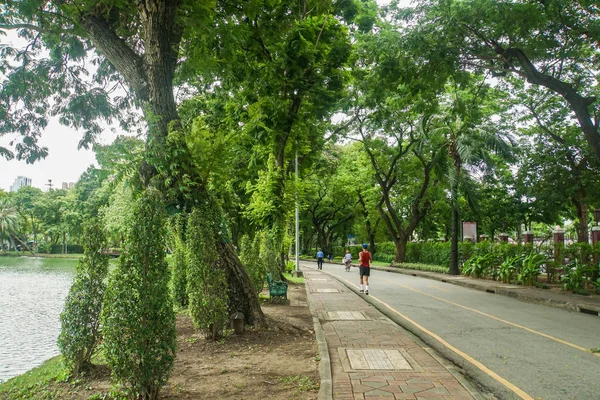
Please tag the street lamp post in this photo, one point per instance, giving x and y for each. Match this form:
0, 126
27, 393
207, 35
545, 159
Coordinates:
596, 213
297, 271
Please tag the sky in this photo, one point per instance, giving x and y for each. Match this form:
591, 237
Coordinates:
64, 162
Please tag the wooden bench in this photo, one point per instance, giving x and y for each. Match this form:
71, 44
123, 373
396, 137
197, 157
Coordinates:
277, 289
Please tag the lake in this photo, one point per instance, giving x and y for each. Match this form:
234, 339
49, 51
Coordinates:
32, 296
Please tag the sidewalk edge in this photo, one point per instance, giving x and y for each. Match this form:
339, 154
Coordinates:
326, 385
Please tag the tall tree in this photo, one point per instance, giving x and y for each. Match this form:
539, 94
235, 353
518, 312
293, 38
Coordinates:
134, 45
470, 138
551, 44
9, 224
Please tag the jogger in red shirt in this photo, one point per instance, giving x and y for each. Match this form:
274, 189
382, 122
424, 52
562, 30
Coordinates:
364, 269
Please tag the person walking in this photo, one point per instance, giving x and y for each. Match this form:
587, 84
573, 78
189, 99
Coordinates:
347, 260
320, 256
364, 269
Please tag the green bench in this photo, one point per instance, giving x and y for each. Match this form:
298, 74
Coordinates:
277, 289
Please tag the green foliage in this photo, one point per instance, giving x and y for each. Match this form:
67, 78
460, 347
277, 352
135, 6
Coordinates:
423, 267
575, 275
253, 262
138, 318
179, 275
80, 320
508, 268
478, 265
530, 268
290, 266
34, 383
207, 284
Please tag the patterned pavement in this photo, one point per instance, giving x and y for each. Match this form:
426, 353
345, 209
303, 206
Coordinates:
371, 356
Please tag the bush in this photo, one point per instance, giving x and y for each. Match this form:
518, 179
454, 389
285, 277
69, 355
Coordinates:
58, 249
207, 285
80, 320
138, 318
530, 268
180, 262
387, 258
478, 265
424, 267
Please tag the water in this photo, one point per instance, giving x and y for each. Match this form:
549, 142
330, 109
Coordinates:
32, 296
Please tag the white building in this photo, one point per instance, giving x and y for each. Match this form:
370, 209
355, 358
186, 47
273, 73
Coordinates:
68, 185
20, 182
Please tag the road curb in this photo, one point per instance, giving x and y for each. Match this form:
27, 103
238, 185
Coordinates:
326, 386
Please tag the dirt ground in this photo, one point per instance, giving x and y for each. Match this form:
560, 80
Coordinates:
278, 363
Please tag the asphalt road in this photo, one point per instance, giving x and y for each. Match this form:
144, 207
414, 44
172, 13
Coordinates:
506, 344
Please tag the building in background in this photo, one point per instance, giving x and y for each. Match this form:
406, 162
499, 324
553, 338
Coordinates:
68, 185
20, 182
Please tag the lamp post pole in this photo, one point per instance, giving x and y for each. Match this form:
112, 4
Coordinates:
297, 271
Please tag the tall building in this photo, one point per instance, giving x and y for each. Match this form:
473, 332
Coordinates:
19, 183
68, 185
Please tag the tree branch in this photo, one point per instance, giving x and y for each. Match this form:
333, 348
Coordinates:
120, 55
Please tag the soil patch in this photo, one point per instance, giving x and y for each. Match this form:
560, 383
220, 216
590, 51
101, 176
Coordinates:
277, 363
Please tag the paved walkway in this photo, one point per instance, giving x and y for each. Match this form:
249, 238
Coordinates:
372, 357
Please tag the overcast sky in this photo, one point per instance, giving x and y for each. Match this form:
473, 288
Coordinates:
64, 162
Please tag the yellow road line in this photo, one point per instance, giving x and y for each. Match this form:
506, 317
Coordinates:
502, 320
439, 288
467, 357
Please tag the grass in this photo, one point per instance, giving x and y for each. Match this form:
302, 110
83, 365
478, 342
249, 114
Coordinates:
288, 277
303, 383
34, 384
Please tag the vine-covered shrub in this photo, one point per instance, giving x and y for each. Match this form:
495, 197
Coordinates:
254, 264
207, 285
80, 320
138, 318
180, 262
268, 253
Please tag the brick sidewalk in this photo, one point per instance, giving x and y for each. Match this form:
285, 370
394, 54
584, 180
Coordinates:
371, 356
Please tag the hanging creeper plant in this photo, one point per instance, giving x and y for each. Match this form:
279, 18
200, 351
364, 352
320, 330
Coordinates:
207, 284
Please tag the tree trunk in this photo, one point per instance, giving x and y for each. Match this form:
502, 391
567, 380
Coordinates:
242, 297
453, 269
582, 218
400, 243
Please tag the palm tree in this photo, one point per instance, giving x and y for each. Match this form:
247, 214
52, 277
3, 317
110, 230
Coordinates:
9, 224
471, 139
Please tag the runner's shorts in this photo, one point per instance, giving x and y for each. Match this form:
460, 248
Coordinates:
364, 271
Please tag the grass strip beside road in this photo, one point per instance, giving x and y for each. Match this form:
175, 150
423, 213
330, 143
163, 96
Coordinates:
288, 277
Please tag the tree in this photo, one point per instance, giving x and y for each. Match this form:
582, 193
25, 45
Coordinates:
551, 44
137, 46
470, 138
26, 200
9, 224
283, 83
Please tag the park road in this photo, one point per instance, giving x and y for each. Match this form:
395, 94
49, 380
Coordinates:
543, 351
